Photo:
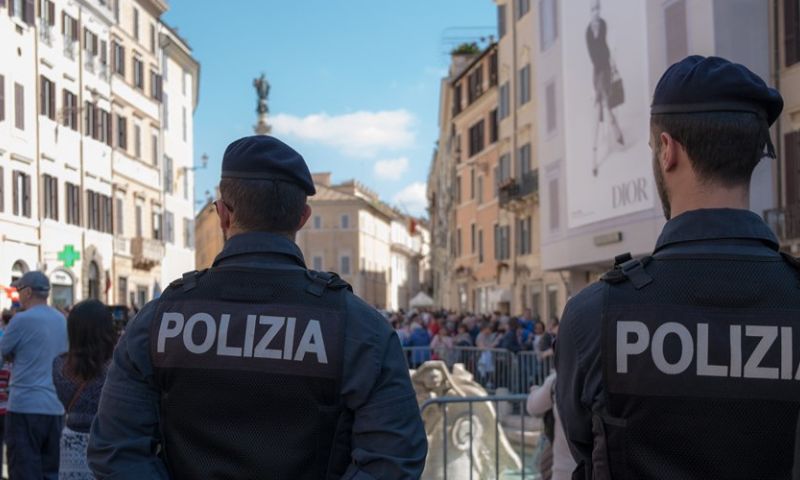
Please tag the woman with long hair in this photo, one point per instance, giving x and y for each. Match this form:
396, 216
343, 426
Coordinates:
78, 376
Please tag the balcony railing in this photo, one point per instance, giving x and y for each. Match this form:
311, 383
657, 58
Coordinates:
514, 190
785, 222
147, 253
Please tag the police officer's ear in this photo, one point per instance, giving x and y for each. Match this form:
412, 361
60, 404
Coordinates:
671, 153
304, 216
224, 214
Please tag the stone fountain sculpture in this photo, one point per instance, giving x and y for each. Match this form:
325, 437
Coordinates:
432, 380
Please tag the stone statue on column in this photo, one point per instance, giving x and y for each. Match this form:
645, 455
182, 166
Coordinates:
262, 91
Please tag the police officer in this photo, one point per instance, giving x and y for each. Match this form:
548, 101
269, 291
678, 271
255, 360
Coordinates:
258, 368
686, 364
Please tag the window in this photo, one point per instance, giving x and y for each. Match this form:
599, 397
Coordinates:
504, 107
47, 98
502, 242
524, 160
344, 268
677, 41
458, 242
19, 106
2, 98
122, 132
138, 74
156, 86
524, 236
70, 110
73, 204
118, 58
90, 119
548, 23
475, 84
137, 141
47, 13
152, 38
480, 246
154, 149
493, 69
169, 226
317, 222
23, 10
104, 133
524, 85
552, 301
494, 130
501, 21
504, 168
188, 233
476, 138
185, 184
22, 194
550, 106
119, 213
99, 214
472, 183
457, 99
122, 290
473, 243
168, 175
158, 226
50, 197
458, 189
69, 29
184, 125
791, 31
345, 221
103, 55
554, 209
90, 43
136, 23
791, 142
139, 221
480, 190
317, 263
523, 6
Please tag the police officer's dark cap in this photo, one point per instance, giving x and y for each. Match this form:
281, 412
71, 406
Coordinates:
263, 157
712, 84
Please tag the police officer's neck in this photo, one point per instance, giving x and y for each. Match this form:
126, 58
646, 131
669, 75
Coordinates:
234, 231
709, 195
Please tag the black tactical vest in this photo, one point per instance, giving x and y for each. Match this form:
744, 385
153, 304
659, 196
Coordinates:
248, 363
701, 369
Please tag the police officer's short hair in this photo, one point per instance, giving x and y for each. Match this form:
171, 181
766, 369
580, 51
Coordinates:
724, 147
264, 205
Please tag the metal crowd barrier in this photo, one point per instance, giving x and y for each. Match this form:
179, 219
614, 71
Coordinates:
493, 368
517, 399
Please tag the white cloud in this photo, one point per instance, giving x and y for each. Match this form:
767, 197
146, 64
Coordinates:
391, 169
360, 133
413, 198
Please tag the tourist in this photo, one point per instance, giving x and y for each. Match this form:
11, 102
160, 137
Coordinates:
78, 376
35, 336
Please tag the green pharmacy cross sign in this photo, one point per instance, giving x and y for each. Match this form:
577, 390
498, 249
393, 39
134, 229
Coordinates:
69, 256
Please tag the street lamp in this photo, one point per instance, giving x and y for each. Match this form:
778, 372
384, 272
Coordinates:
202, 166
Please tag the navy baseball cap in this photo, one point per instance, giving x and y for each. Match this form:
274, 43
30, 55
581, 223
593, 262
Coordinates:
712, 84
35, 280
263, 157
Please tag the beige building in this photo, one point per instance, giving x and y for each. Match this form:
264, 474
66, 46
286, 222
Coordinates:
208, 236
786, 67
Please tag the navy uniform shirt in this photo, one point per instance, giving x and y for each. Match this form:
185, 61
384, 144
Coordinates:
579, 387
387, 436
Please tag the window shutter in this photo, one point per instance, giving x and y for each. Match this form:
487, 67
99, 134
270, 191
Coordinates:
28, 11
42, 95
52, 97
26, 210
51, 13
791, 31
74, 23
15, 191
103, 52
19, 106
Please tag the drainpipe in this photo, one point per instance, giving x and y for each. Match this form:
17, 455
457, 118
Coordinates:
37, 175
515, 102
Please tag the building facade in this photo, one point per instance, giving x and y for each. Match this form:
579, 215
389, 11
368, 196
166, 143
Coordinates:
69, 156
785, 42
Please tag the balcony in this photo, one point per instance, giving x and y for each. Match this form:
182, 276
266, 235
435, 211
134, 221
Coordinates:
122, 246
147, 253
514, 193
785, 222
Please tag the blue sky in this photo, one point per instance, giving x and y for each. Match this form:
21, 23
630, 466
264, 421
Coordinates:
355, 83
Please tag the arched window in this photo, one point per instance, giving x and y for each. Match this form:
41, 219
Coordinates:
94, 281
18, 270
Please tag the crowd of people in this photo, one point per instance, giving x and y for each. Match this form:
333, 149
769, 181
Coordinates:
57, 367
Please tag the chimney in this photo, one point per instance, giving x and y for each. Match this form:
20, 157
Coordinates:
322, 178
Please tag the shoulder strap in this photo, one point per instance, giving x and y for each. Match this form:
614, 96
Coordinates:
321, 281
794, 262
627, 268
187, 282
